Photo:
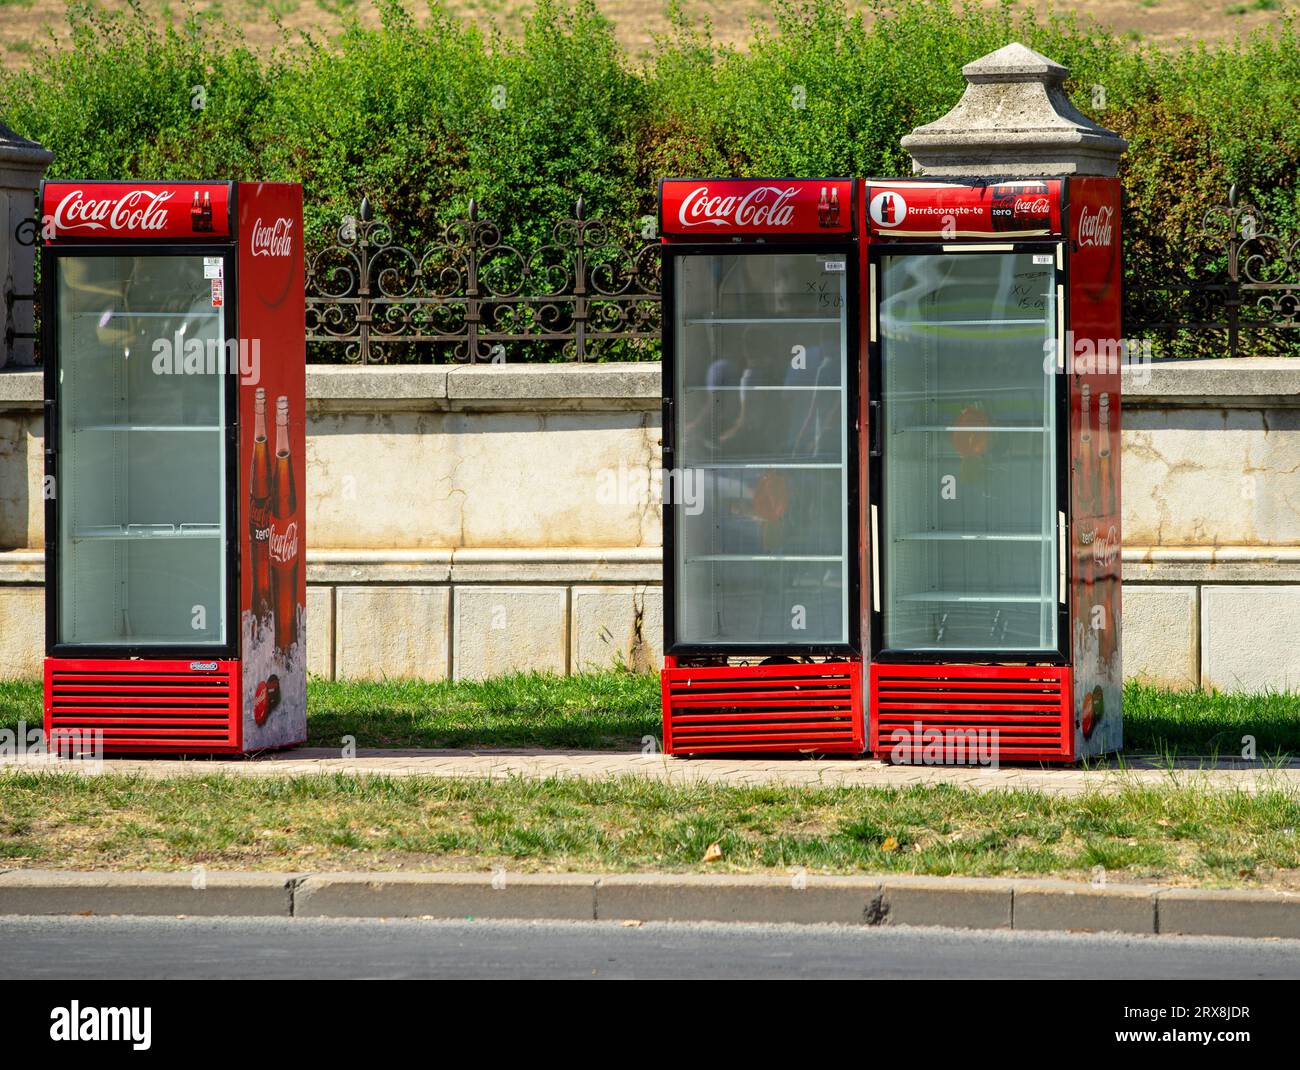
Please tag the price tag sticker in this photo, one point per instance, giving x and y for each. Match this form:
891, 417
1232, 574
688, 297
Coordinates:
832, 265
1042, 258
212, 267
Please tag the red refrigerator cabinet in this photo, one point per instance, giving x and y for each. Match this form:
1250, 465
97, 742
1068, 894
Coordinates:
173, 345
993, 515
762, 551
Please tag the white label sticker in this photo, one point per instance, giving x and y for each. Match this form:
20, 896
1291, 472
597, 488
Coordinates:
833, 265
1042, 258
212, 267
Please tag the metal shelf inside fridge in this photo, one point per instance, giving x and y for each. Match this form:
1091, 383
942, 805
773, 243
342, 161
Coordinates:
148, 531
1006, 428
168, 428
729, 321
982, 536
836, 387
748, 558
966, 596
763, 465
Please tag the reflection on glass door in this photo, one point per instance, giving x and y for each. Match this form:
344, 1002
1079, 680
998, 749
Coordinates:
760, 504
141, 464
969, 515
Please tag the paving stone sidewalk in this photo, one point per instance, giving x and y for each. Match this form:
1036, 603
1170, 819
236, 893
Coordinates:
305, 761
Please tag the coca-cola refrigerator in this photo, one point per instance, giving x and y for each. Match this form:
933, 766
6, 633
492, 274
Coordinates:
992, 519
173, 342
891, 497
762, 482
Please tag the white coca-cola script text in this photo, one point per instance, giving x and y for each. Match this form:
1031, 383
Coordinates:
284, 545
1097, 228
140, 209
763, 206
273, 240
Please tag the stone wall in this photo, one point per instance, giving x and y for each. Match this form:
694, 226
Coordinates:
472, 520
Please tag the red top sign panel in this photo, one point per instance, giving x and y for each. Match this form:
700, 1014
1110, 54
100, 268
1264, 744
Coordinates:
704, 209
135, 211
945, 211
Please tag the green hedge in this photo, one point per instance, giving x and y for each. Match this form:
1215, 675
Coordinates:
409, 113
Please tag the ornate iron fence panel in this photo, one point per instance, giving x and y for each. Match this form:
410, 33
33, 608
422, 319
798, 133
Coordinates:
468, 295
1232, 290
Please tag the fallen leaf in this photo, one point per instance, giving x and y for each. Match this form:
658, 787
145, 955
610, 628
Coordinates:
890, 844
714, 853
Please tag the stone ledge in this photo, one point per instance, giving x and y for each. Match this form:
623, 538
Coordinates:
1227, 382
1217, 383
483, 387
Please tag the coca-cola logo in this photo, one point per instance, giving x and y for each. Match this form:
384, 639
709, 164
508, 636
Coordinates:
1097, 228
762, 206
140, 209
1106, 549
1031, 206
273, 240
284, 544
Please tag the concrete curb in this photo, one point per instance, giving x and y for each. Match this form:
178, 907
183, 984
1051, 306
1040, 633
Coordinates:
953, 902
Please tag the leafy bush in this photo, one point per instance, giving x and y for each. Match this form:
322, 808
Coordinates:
425, 116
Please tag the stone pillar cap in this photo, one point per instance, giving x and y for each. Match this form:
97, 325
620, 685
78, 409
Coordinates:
1014, 119
16, 149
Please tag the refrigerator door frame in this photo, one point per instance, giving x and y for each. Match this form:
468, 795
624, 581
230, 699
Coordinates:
878, 560
848, 246
229, 650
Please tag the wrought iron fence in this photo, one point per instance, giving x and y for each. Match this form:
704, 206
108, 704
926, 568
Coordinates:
468, 295
1233, 289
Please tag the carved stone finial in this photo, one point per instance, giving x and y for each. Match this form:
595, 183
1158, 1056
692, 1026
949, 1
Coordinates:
1014, 119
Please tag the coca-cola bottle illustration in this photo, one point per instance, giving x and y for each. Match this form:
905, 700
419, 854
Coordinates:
259, 510
1085, 475
205, 220
835, 207
823, 209
887, 209
1108, 550
1020, 206
196, 214
285, 545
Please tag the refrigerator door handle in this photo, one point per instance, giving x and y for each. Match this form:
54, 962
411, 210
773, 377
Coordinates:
667, 429
874, 417
875, 559
1061, 544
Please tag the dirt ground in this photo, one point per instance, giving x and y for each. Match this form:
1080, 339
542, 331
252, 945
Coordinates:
24, 24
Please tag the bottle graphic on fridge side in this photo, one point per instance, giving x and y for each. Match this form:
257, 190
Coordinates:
285, 545
259, 513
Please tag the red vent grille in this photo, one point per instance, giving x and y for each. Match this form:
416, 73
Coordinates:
142, 705
1028, 706
739, 708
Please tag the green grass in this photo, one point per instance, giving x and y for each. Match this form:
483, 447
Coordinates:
611, 710
616, 710
627, 824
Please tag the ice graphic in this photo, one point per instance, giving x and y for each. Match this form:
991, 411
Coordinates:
287, 723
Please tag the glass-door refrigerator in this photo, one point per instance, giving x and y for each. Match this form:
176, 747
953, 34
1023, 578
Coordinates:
761, 491
173, 349
992, 519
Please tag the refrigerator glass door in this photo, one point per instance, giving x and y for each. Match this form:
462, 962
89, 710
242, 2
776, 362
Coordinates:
141, 494
968, 524
760, 498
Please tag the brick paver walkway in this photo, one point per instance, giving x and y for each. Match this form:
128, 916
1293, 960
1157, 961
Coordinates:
596, 764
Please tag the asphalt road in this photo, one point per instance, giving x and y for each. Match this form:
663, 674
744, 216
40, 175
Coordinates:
109, 948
